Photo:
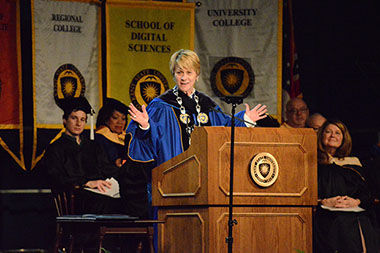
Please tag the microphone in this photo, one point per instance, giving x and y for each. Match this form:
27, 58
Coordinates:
237, 100
228, 114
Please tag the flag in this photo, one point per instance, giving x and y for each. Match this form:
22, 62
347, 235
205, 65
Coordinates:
291, 83
11, 125
66, 53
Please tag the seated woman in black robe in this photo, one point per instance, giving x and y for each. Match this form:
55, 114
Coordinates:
344, 221
110, 126
110, 134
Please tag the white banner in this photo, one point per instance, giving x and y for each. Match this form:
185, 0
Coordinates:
247, 29
66, 40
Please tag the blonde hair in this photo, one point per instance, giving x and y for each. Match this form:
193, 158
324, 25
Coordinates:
185, 59
344, 149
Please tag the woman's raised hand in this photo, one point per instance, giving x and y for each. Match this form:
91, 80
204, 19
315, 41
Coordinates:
256, 113
140, 117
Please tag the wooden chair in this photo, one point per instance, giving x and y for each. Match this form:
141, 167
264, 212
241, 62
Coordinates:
64, 204
69, 224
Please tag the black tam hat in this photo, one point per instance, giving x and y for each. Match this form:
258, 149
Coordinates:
106, 111
68, 105
116, 105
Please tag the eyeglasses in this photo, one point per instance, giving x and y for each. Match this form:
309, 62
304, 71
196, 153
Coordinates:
296, 111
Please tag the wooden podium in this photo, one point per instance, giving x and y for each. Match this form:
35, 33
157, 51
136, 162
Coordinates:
191, 192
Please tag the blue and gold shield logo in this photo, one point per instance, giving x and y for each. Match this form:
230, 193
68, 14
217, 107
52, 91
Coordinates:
232, 76
68, 82
146, 85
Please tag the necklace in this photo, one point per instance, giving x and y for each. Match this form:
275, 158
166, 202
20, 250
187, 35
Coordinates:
184, 117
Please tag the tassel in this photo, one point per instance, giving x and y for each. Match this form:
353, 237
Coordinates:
92, 136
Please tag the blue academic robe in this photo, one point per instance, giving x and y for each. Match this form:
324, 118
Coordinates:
166, 137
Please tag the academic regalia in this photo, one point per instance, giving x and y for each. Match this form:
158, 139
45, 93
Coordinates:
71, 164
133, 181
167, 137
113, 143
134, 176
338, 231
74, 103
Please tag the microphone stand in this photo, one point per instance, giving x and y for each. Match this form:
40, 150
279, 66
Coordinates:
231, 222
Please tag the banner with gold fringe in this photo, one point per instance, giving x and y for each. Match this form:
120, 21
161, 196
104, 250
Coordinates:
141, 37
239, 43
11, 121
66, 59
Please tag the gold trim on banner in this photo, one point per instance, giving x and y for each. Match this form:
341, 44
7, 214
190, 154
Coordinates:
20, 161
34, 148
100, 61
152, 4
38, 158
10, 126
56, 126
279, 61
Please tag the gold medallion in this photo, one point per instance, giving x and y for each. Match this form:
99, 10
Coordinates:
264, 169
202, 118
185, 118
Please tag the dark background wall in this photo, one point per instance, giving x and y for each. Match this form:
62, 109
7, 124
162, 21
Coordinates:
338, 46
338, 50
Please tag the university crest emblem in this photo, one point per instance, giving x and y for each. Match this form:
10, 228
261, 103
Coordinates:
68, 82
146, 85
232, 76
264, 169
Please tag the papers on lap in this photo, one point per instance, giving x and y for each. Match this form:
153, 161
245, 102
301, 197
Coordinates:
113, 192
98, 217
347, 209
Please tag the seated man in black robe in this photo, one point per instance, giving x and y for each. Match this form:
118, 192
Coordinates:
74, 160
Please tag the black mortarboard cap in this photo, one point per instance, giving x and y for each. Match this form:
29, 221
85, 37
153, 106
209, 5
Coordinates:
116, 105
70, 104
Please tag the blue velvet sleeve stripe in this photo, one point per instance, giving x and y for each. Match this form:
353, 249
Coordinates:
220, 119
162, 141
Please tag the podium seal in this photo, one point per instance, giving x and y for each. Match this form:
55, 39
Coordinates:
264, 169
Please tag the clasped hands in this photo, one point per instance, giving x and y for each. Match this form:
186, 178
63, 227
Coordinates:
340, 202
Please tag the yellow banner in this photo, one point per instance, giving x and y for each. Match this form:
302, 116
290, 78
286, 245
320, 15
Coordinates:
141, 37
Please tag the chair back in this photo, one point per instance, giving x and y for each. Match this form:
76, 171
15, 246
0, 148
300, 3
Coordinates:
64, 200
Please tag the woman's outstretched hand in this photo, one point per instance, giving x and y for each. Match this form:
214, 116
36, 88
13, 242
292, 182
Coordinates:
257, 113
140, 117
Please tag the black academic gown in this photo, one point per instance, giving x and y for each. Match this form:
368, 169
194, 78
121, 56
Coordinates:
71, 164
134, 175
339, 231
